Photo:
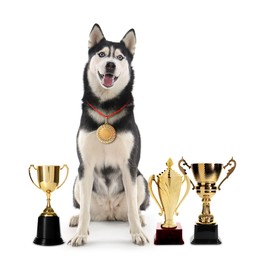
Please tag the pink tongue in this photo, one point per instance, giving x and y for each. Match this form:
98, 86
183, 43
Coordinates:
108, 81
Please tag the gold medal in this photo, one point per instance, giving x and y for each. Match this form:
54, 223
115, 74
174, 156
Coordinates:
106, 133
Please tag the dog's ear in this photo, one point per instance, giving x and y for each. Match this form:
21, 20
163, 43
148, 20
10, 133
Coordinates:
95, 36
130, 40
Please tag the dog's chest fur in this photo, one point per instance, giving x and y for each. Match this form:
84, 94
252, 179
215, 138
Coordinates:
106, 160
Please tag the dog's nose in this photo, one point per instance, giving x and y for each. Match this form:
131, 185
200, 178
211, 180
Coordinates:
110, 67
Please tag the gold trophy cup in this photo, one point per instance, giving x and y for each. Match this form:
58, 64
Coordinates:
206, 176
48, 230
169, 184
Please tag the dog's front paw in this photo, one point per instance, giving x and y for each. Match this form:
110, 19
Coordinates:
139, 238
78, 240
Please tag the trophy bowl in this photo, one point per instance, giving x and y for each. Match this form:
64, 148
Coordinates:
48, 230
206, 172
48, 177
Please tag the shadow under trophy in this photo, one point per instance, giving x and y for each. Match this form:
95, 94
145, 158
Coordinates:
206, 176
48, 229
169, 184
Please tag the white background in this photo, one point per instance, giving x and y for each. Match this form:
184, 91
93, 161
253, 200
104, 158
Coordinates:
196, 93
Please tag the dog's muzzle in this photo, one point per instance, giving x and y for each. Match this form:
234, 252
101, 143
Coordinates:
108, 79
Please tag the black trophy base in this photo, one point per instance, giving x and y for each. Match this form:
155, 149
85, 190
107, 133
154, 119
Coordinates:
205, 235
48, 231
168, 236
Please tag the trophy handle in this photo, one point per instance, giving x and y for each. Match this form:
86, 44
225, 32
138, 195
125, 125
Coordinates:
184, 171
150, 182
188, 181
67, 168
229, 171
32, 166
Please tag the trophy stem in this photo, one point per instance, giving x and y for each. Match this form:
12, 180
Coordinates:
169, 223
48, 211
48, 194
206, 217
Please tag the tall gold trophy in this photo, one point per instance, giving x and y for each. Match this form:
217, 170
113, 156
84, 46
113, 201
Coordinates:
169, 184
48, 229
206, 176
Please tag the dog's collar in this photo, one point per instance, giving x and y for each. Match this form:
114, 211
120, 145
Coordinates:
111, 114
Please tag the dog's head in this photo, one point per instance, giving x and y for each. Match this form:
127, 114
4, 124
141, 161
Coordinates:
109, 68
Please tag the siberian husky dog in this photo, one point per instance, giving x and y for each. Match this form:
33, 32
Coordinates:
109, 185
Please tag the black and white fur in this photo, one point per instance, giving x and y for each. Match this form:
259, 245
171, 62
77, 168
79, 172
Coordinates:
109, 185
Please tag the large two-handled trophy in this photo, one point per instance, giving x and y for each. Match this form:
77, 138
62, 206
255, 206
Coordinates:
169, 185
206, 176
48, 229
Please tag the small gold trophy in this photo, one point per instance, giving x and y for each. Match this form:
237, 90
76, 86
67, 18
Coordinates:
169, 184
48, 230
206, 176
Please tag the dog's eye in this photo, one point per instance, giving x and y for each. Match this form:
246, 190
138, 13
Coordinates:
101, 54
120, 57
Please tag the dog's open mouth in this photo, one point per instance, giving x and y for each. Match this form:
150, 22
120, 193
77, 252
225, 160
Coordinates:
108, 79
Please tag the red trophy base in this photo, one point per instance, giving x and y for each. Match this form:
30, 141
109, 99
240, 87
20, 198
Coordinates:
168, 236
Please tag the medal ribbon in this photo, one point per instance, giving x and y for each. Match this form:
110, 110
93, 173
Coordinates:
109, 115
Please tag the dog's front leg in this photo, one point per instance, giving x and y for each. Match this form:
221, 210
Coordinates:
130, 185
85, 189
